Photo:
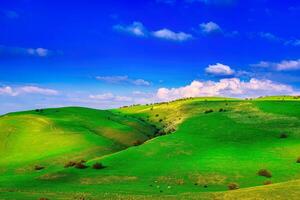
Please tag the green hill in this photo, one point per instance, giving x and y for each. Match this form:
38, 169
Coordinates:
66, 133
198, 147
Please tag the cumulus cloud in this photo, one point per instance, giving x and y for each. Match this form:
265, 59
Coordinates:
136, 28
285, 65
288, 65
170, 35
219, 70
10, 91
210, 27
232, 87
123, 80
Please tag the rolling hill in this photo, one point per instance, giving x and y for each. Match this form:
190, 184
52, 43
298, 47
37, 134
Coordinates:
185, 149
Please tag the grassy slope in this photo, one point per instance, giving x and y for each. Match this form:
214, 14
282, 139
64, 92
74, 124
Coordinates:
57, 135
198, 160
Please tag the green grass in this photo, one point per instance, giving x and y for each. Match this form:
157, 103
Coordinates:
196, 155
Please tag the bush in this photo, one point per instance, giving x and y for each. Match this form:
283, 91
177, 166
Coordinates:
268, 182
98, 166
265, 173
38, 167
283, 135
298, 160
43, 198
160, 120
80, 165
233, 186
70, 164
156, 115
208, 111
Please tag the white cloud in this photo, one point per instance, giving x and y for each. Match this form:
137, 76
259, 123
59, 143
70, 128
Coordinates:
37, 90
232, 87
210, 27
288, 65
219, 70
110, 97
136, 28
295, 42
262, 64
170, 35
104, 96
285, 65
123, 80
112, 79
140, 82
7, 90
38, 52
269, 36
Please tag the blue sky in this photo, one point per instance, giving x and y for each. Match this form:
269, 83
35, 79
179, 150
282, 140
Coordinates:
113, 53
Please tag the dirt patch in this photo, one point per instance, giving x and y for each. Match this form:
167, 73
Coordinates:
52, 176
213, 179
170, 180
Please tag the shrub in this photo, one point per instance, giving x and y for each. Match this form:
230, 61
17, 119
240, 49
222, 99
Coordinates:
208, 111
80, 165
298, 160
98, 166
43, 198
160, 120
70, 164
283, 135
221, 110
38, 167
264, 172
156, 115
268, 182
233, 186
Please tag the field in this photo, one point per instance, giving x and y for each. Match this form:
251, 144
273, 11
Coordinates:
186, 149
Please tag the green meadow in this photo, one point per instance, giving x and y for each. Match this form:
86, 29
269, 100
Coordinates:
197, 148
